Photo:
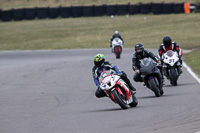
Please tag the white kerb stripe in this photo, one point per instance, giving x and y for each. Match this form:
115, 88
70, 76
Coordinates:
193, 74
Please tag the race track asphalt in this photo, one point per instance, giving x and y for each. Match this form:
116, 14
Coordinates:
53, 92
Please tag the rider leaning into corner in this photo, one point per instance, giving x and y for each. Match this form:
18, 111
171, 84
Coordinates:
169, 45
116, 34
141, 53
101, 65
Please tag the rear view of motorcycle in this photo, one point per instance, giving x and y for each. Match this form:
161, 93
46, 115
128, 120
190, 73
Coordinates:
171, 66
117, 90
151, 76
117, 46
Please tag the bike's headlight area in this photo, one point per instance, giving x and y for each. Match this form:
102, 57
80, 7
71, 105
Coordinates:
165, 65
154, 69
178, 63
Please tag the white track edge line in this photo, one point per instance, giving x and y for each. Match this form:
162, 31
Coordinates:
192, 73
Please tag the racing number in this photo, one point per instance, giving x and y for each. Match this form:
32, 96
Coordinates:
171, 60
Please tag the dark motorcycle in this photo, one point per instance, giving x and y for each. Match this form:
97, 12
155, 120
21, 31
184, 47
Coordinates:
151, 76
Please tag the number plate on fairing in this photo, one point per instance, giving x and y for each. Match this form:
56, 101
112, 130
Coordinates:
130, 100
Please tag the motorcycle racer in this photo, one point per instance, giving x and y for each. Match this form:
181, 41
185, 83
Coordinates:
141, 53
116, 34
101, 65
168, 44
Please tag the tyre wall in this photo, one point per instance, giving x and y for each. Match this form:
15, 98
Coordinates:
96, 10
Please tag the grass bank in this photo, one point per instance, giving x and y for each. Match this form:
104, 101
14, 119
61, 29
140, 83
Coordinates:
95, 32
193, 60
8, 4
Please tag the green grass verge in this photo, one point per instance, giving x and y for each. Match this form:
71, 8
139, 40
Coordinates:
193, 60
95, 32
8, 4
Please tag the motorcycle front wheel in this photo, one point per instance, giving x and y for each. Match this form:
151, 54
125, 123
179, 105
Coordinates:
135, 101
119, 99
154, 87
173, 78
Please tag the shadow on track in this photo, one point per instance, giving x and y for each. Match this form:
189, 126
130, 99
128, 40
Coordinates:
182, 84
107, 110
164, 95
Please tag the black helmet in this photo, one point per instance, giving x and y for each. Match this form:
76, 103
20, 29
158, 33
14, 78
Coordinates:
139, 48
167, 41
99, 60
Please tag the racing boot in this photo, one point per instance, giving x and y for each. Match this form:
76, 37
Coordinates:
133, 89
180, 70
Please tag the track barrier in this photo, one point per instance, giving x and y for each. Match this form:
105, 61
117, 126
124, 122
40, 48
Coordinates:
187, 7
96, 10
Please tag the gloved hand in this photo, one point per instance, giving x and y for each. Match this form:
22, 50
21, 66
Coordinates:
159, 63
180, 59
137, 71
119, 73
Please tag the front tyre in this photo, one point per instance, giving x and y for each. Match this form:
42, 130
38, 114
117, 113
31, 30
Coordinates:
135, 101
173, 77
119, 100
154, 87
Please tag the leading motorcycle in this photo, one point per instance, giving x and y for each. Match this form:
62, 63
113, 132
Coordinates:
117, 46
117, 90
171, 66
151, 75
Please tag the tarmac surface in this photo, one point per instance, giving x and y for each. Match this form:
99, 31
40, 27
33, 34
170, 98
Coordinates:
53, 92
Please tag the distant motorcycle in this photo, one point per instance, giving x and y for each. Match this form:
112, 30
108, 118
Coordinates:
151, 76
171, 64
117, 90
117, 46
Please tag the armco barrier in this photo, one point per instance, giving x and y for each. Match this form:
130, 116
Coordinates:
30, 13
54, 12
168, 8
77, 11
134, 9
100, 10
157, 8
42, 13
111, 10
122, 9
197, 8
65, 12
18, 14
6, 15
178, 8
145, 8
88, 11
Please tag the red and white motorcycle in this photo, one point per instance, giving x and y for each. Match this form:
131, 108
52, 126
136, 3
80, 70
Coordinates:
117, 46
117, 90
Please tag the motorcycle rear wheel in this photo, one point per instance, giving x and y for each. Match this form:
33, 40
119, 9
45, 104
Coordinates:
118, 52
119, 100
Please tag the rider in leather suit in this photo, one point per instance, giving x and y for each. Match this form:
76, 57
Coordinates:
99, 66
141, 53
